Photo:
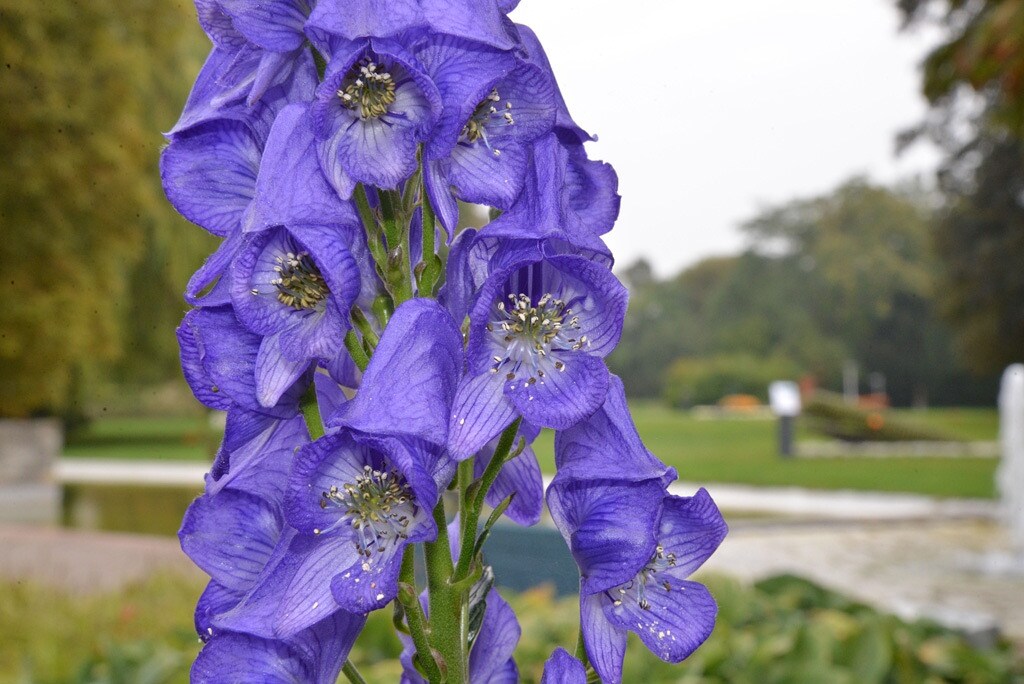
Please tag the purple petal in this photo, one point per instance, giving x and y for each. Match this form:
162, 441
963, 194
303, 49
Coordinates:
442, 199
497, 639
246, 658
331, 460
368, 585
275, 25
484, 176
353, 19
592, 191
411, 380
562, 398
309, 567
209, 174
520, 476
480, 412
691, 528
275, 374
675, 622
610, 527
208, 286
215, 600
604, 641
506, 674
607, 445
480, 21
562, 668
261, 464
329, 395
291, 188
230, 536
202, 385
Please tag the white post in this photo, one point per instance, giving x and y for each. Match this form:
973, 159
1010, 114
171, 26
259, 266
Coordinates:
1010, 476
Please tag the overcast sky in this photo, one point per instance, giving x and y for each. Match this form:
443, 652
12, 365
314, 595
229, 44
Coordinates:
710, 110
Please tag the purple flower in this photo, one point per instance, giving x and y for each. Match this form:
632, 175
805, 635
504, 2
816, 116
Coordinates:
374, 106
540, 326
313, 656
494, 106
220, 359
482, 21
294, 287
520, 476
636, 547
562, 668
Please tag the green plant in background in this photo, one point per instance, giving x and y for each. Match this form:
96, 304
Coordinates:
87, 235
695, 381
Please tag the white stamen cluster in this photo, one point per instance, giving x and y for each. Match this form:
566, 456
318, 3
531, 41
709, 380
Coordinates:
529, 332
489, 109
368, 88
299, 284
378, 505
636, 588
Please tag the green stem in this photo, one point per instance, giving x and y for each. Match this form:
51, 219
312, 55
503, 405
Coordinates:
398, 270
370, 227
365, 329
475, 499
581, 648
355, 348
352, 673
407, 596
311, 413
429, 270
445, 602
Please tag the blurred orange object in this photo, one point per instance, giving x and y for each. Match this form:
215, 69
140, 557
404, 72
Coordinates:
875, 421
740, 402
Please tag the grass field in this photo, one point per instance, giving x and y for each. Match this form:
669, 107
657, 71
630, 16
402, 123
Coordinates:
702, 450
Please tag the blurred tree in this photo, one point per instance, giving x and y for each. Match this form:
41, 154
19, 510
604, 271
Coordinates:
974, 80
87, 88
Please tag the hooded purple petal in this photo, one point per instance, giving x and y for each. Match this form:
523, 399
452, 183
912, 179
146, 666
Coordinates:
411, 380
562, 668
271, 24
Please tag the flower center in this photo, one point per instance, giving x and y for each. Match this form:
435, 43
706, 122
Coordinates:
636, 589
300, 284
490, 108
369, 88
530, 332
379, 506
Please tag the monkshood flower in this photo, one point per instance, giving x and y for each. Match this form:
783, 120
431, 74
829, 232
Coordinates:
314, 656
220, 357
562, 668
539, 329
482, 21
360, 494
373, 108
636, 547
490, 657
495, 105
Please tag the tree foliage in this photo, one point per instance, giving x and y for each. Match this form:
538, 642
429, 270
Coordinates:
847, 276
92, 255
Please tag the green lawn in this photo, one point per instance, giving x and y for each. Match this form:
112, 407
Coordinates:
741, 451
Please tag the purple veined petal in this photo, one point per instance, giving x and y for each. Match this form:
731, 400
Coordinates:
506, 674
473, 19
330, 164
275, 25
442, 198
209, 174
242, 658
231, 536
208, 286
520, 476
673, 622
563, 120
260, 465
562, 668
598, 298
507, 6
610, 527
308, 569
607, 445
411, 380
497, 639
691, 529
276, 69
327, 644
354, 19
344, 371
202, 385
564, 397
592, 188
464, 73
367, 586
291, 187
329, 395
604, 641
460, 284
480, 412
215, 600
275, 374
527, 95
217, 24
488, 176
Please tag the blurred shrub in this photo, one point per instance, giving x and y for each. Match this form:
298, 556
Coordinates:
705, 380
781, 630
827, 413
93, 258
